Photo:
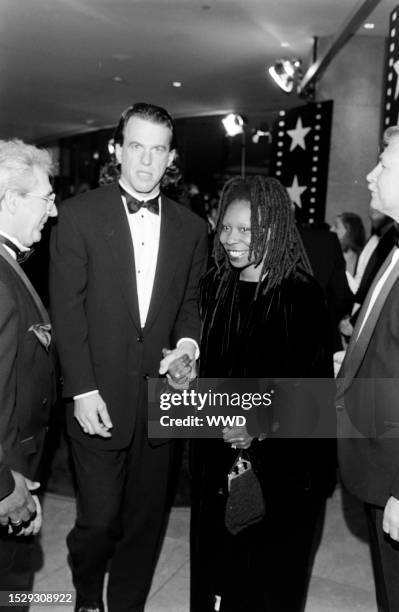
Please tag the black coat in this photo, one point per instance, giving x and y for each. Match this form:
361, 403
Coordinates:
94, 302
281, 334
367, 405
27, 375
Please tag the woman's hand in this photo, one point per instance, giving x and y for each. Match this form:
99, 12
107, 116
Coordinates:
238, 437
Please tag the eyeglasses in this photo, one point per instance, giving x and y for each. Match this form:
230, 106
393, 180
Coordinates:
50, 199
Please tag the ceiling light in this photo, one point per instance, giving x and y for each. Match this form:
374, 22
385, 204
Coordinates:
233, 124
285, 44
118, 79
176, 84
369, 26
284, 72
261, 132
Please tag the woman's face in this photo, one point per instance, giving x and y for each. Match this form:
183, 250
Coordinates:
235, 235
340, 229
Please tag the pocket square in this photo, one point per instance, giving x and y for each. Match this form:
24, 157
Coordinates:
42, 332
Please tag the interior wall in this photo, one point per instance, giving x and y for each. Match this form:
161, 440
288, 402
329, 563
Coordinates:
354, 80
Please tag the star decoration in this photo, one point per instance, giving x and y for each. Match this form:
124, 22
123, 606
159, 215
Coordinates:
296, 191
396, 68
298, 135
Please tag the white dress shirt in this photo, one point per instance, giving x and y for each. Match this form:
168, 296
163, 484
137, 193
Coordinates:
378, 287
145, 229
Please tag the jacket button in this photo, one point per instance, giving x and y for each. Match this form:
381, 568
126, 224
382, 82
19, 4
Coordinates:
140, 339
146, 376
339, 408
44, 401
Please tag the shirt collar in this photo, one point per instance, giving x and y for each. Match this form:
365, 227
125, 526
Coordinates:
15, 241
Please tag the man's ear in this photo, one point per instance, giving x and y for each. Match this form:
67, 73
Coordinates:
118, 153
172, 157
10, 201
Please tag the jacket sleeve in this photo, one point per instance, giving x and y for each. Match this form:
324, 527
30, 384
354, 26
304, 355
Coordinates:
68, 283
188, 321
7, 483
13, 455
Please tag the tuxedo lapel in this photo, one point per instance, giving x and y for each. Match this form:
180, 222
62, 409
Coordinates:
168, 257
359, 342
31, 290
117, 234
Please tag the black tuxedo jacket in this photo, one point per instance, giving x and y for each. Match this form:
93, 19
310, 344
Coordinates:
94, 302
368, 405
27, 376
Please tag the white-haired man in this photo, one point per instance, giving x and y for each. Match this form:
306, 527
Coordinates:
27, 382
368, 390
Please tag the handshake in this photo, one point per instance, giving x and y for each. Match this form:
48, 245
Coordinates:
179, 365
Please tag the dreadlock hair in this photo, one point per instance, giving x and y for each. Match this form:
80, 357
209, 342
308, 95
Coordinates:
274, 235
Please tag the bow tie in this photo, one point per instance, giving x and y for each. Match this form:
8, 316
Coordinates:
134, 205
21, 255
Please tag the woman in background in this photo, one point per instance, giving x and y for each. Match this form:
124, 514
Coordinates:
264, 317
352, 238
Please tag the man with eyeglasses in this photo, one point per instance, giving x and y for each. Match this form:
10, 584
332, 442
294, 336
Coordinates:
27, 381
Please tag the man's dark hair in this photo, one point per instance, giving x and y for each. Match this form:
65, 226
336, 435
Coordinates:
149, 112
273, 229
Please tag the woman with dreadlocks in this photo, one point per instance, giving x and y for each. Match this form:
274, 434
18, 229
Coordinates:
263, 317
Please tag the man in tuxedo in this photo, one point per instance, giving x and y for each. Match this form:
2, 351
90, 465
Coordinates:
367, 396
123, 285
27, 382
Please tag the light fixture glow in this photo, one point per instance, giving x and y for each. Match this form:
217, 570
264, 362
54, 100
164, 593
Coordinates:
233, 124
285, 44
284, 72
369, 26
176, 84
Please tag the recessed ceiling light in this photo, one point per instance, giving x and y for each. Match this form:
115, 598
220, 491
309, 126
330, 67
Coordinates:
176, 84
285, 44
90, 121
121, 57
118, 79
369, 26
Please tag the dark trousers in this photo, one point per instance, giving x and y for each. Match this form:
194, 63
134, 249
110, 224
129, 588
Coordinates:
267, 566
385, 558
121, 515
16, 565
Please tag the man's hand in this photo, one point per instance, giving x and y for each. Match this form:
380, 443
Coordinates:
19, 507
184, 374
92, 415
390, 522
238, 437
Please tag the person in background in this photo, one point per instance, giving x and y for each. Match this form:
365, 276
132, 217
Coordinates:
27, 373
352, 237
124, 272
328, 266
264, 317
